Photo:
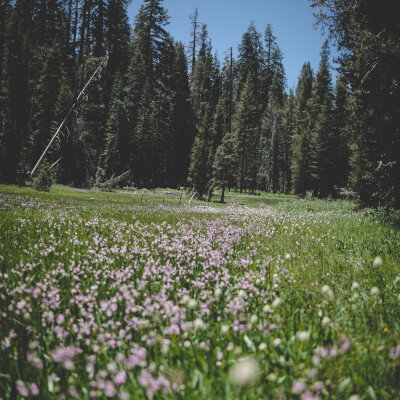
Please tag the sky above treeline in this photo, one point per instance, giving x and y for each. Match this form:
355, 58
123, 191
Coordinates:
292, 23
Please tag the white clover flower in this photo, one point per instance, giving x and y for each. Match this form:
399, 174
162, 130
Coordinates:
277, 342
192, 303
262, 346
355, 286
241, 293
277, 302
272, 377
374, 291
253, 319
325, 289
303, 336
187, 344
198, 324
244, 371
287, 256
354, 397
217, 293
377, 261
325, 321
224, 329
185, 299
267, 309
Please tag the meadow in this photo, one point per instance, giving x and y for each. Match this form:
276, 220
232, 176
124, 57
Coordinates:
119, 295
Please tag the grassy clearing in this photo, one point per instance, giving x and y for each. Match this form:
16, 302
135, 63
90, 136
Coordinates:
110, 295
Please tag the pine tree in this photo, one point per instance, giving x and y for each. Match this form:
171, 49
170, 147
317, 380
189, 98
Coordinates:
270, 48
15, 129
247, 136
195, 35
302, 146
225, 164
114, 146
183, 123
288, 128
341, 140
203, 93
321, 127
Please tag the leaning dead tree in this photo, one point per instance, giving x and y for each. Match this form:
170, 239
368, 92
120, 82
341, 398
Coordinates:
102, 63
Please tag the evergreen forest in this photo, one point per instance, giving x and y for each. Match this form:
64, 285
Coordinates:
161, 113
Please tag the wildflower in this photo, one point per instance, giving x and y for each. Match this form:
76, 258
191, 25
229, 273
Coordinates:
198, 324
253, 319
303, 336
244, 371
120, 378
325, 321
34, 389
325, 289
312, 373
277, 342
267, 309
354, 397
217, 293
298, 387
262, 346
374, 291
272, 377
287, 256
377, 261
355, 286
277, 302
22, 389
192, 303
309, 396
224, 329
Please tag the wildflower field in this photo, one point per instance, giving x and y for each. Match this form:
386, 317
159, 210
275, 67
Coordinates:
110, 295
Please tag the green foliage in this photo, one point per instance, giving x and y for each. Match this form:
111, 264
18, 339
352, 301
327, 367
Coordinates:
44, 179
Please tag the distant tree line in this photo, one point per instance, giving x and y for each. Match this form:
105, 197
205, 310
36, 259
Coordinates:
162, 115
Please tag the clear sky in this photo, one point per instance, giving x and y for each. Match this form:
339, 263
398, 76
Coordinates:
227, 20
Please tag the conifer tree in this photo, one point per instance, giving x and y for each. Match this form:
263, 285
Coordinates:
225, 164
301, 148
321, 127
203, 89
183, 123
247, 136
341, 139
288, 128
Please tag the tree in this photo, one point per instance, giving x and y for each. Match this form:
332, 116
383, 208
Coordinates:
368, 34
321, 128
194, 33
341, 139
247, 136
301, 147
224, 166
203, 84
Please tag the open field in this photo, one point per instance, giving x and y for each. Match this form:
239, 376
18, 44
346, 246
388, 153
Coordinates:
115, 295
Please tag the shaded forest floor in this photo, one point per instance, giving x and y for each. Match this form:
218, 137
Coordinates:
109, 294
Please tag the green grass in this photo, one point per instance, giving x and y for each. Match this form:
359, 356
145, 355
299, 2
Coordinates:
153, 298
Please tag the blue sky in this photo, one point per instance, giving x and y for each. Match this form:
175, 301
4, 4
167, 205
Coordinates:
227, 20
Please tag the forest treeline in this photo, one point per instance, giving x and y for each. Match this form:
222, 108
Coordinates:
161, 114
